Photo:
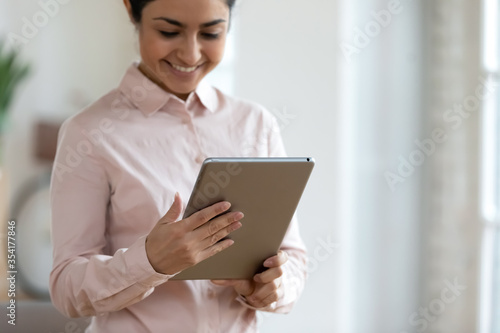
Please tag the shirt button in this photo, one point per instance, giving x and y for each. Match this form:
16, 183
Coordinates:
211, 293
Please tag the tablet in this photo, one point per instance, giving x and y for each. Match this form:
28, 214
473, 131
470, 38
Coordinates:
267, 191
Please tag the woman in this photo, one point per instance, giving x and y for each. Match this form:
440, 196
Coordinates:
122, 161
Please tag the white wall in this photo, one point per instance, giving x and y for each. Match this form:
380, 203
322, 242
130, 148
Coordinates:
386, 116
286, 60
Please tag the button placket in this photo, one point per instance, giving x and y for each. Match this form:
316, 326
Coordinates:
201, 156
213, 316
187, 120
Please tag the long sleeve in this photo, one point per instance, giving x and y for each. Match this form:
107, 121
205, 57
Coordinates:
295, 269
84, 280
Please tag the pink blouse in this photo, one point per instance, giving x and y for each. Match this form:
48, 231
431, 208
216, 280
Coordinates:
119, 163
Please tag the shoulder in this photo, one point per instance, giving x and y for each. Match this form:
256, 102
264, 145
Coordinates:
93, 115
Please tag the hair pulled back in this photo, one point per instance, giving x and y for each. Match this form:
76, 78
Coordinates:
138, 6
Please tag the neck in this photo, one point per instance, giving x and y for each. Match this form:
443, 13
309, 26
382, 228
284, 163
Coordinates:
150, 75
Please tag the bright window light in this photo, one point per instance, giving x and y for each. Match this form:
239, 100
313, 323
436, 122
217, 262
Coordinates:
490, 173
490, 170
491, 40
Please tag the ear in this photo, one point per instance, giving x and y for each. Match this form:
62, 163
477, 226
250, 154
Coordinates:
128, 6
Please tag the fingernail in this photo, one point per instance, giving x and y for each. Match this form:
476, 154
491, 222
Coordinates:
239, 215
226, 205
268, 262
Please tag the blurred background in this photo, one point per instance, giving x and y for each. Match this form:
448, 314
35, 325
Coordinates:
398, 101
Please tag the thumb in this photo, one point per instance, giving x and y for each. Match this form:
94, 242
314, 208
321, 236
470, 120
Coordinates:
223, 282
242, 287
175, 210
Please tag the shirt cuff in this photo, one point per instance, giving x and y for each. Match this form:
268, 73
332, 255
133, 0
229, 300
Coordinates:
141, 269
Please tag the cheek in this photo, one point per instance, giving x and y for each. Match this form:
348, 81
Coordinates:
216, 51
152, 47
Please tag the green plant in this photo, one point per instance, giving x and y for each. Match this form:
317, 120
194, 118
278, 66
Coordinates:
11, 74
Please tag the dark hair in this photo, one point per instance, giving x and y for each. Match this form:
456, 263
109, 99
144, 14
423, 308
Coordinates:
138, 6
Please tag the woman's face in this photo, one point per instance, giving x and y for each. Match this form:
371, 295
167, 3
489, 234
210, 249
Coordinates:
181, 41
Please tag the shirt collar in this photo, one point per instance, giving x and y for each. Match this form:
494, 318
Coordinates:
148, 97
207, 96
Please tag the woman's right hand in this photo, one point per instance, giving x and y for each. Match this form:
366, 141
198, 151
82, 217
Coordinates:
174, 246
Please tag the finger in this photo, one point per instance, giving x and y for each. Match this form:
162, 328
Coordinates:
216, 225
269, 275
209, 241
216, 248
277, 260
266, 300
265, 294
175, 210
206, 214
223, 282
242, 287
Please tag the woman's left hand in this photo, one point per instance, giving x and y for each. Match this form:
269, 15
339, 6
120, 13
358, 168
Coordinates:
265, 288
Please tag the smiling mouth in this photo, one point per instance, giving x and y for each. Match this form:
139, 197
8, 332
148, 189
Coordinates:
184, 69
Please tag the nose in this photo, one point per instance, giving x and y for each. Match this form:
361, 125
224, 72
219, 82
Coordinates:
189, 51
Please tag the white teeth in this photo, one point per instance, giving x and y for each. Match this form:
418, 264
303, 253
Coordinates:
184, 69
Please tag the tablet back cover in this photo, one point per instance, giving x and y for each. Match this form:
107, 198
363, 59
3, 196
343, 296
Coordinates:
267, 191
